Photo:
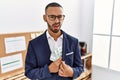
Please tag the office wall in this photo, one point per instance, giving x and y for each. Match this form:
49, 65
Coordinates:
86, 22
26, 15
19, 15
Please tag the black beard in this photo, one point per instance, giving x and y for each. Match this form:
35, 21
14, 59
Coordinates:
50, 27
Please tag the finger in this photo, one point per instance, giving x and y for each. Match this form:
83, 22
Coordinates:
63, 64
60, 59
61, 68
60, 73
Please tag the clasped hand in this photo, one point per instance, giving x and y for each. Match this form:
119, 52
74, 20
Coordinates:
63, 69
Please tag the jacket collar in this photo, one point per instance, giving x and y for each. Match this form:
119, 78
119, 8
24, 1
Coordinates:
64, 34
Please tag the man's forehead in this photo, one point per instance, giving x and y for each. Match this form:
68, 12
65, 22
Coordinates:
54, 10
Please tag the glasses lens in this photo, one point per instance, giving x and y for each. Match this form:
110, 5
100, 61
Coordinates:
60, 17
53, 17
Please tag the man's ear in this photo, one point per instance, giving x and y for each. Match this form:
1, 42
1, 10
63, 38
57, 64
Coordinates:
45, 18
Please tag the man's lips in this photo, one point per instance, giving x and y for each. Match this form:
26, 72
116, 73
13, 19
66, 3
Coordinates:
56, 27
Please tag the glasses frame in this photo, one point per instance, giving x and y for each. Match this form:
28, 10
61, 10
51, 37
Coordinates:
53, 17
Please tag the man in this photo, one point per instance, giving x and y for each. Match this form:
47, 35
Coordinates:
54, 55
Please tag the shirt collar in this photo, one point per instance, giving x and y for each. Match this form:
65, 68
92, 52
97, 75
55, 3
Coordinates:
49, 36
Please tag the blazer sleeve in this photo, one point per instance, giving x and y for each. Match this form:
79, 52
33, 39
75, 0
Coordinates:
77, 66
31, 71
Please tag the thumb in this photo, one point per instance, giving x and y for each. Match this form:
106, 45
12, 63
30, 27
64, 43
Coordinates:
63, 64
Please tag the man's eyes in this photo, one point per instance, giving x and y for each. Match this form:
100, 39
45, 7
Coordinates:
52, 16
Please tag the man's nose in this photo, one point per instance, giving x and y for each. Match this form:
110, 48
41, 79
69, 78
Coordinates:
57, 19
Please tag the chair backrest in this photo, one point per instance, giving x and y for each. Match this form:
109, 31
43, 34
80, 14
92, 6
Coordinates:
83, 47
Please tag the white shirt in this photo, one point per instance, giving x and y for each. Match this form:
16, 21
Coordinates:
55, 46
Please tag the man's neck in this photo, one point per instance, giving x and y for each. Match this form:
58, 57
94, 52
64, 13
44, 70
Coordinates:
55, 35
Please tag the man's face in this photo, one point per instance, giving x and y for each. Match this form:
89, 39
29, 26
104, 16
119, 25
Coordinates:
54, 18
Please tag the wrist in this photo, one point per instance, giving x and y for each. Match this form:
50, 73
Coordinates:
49, 69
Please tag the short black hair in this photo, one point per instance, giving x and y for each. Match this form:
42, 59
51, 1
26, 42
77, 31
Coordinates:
53, 4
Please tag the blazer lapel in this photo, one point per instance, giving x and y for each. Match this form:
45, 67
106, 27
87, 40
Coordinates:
65, 42
46, 45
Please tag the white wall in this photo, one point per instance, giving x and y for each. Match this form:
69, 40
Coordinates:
26, 15
86, 22
19, 15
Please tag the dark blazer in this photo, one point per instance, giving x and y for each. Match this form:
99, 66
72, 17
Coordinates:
38, 58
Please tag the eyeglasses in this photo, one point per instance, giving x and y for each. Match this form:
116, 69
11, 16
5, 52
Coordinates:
53, 17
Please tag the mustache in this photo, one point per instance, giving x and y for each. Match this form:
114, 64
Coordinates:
56, 24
